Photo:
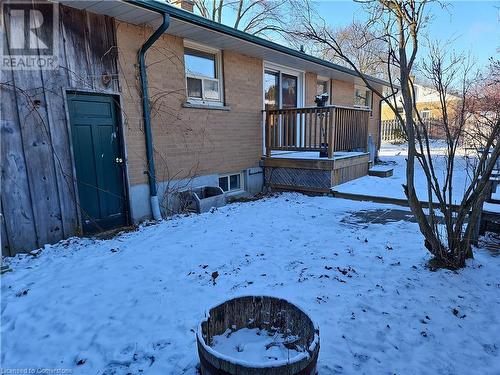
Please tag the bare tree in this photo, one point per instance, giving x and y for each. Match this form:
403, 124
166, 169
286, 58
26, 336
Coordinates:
399, 24
258, 17
362, 47
484, 106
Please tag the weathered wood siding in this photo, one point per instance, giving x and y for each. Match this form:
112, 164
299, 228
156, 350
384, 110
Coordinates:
39, 203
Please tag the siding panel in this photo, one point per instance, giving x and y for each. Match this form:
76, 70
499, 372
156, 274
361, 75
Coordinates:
39, 200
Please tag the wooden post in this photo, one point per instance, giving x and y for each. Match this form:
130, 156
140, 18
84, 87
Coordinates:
268, 135
331, 124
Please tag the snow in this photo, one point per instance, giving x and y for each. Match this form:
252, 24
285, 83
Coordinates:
391, 187
496, 195
254, 345
133, 304
381, 168
491, 207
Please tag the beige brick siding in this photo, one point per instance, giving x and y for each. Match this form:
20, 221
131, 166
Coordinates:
188, 141
310, 88
191, 141
342, 92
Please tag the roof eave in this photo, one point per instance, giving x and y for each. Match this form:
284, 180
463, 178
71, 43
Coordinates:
215, 26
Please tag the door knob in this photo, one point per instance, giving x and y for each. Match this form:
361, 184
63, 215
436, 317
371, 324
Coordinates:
119, 160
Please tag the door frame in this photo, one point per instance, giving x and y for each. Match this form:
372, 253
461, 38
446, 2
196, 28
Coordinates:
120, 117
300, 74
301, 90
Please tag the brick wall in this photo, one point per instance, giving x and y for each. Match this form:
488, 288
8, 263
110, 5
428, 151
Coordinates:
191, 141
342, 92
310, 88
188, 141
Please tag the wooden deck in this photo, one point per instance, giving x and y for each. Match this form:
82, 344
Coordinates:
307, 172
324, 129
313, 149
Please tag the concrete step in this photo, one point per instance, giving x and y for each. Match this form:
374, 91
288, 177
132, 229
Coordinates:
381, 171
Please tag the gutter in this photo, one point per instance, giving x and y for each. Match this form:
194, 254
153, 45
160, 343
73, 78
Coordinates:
153, 191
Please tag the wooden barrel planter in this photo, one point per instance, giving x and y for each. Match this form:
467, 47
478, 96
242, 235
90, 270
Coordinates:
259, 314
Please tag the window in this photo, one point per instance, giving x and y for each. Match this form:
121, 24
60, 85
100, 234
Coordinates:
282, 87
203, 72
425, 114
231, 182
362, 97
323, 87
271, 87
289, 91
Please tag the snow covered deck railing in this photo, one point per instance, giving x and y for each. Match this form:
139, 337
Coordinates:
324, 129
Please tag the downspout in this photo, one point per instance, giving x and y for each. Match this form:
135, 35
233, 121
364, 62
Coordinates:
379, 128
153, 191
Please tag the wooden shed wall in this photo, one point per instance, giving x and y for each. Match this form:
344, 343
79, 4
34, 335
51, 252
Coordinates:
38, 199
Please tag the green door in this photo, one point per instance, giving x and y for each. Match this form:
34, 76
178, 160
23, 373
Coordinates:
98, 161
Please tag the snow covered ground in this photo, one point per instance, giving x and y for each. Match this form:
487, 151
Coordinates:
254, 345
391, 187
130, 305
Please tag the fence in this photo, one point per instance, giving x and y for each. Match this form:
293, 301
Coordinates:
393, 131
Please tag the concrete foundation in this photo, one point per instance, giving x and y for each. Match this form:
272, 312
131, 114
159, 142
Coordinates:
139, 194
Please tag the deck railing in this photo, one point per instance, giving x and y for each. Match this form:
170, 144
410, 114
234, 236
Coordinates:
324, 129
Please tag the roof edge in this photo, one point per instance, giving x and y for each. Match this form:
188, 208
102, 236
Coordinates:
215, 26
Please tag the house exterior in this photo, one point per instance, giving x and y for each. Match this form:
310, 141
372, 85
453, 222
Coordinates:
105, 138
427, 101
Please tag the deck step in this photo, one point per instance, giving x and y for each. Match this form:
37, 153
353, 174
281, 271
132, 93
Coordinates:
491, 242
381, 171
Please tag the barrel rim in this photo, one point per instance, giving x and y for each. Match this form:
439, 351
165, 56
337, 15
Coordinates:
306, 355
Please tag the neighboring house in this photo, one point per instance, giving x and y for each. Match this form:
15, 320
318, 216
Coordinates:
83, 152
427, 100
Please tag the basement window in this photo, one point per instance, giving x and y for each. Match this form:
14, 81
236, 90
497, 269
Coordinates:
231, 182
203, 74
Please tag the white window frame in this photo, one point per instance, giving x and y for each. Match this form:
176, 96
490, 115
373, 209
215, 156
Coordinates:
218, 73
242, 182
365, 89
328, 87
425, 114
281, 69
